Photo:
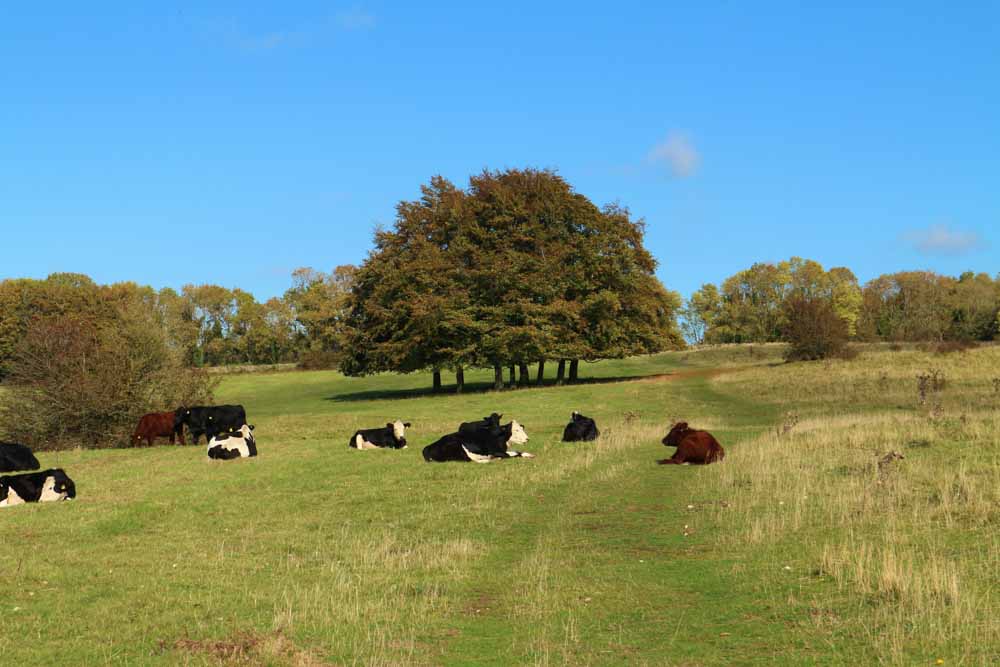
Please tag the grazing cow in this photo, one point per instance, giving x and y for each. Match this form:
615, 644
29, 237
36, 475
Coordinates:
580, 428
692, 446
210, 420
391, 436
234, 445
479, 446
15, 457
36, 487
157, 425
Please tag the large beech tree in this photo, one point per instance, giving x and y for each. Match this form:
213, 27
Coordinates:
515, 270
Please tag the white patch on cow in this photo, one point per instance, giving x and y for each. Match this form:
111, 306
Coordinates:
398, 429
359, 442
477, 458
517, 434
526, 455
234, 441
11, 499
49, 491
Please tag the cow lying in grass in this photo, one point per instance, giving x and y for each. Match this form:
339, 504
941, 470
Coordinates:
36, 487
580, 429
238, 444
391, 436
14, 457
692, 446
157, 425
479, 443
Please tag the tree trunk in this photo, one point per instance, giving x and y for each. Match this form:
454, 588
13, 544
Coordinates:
541, 373
498, 377
513, 378
574, 366
525, 379
561, 371
459, 380
437, 380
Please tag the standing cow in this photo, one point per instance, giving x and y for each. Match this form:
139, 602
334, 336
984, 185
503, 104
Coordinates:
210, 420
693, 446
157, 425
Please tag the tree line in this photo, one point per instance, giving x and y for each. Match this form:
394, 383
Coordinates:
762, 303
515, 269
207, 325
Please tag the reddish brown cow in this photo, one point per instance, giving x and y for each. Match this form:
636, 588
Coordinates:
692, 446
156, 425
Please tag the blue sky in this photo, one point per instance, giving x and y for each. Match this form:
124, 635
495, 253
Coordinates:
224, 142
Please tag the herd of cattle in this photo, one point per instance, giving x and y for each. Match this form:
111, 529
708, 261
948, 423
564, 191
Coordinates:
229, 436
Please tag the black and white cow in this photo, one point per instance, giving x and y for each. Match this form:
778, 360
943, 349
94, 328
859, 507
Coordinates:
580, 428
36, 487
391, 436
238, 444
14, 457
209, 420
479, 446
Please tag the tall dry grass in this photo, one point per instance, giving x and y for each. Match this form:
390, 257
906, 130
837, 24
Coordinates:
912, 545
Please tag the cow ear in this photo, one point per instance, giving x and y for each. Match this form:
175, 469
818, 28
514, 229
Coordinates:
406, 424
389, 425
251, 426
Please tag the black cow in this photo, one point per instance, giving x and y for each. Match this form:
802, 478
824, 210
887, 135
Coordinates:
209, 420
580, 428
233, 445
391, 436
481, 445
15, 457
36, 487
490, 423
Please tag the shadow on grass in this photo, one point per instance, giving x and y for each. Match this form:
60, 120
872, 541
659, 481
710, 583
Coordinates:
477, 388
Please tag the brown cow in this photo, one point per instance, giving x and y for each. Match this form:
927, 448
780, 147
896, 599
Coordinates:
692, 446
156, 425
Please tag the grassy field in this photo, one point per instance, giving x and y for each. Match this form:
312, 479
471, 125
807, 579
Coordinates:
799, 549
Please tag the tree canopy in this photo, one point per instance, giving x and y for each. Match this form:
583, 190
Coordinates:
518, 268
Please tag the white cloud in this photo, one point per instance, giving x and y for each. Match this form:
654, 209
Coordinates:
677, 153
942, 240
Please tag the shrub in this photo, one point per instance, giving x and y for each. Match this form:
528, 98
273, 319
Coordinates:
317, 360
79, 380
813, 329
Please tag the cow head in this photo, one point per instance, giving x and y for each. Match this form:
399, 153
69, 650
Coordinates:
398, 430
181, 416
676, 434
57, 486
517, 434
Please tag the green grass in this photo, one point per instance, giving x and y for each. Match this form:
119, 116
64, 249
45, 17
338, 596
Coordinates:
589, 554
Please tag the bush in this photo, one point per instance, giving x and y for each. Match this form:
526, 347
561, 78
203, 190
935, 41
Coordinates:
82, 381
813, 330
317, 360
